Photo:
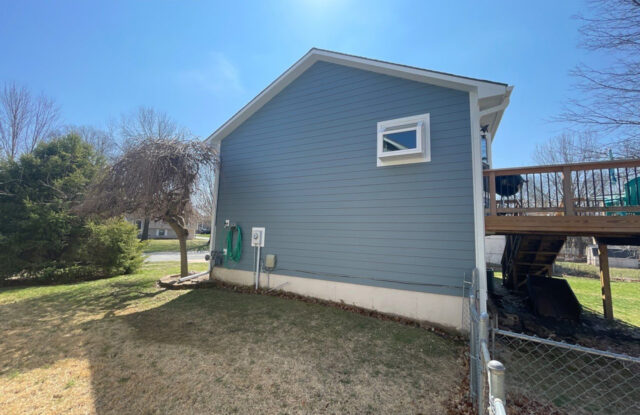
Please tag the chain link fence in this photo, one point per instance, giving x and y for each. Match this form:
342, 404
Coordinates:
486, 376
543, 375
562, 378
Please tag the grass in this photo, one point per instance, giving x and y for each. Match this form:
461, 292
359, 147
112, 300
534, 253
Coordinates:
586, 270
172, 245
625, 297
122, 345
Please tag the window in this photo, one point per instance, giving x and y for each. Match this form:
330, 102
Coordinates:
404, 140
138, 224
161, 232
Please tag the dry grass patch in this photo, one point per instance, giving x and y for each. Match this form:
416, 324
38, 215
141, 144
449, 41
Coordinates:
124, 346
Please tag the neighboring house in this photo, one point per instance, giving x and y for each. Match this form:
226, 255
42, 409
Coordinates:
619, 257
159, 230
367, 177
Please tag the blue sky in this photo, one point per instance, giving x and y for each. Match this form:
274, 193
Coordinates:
202, 61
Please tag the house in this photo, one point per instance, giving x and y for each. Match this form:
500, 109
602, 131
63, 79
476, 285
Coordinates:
367, 179
619, 256
159, 229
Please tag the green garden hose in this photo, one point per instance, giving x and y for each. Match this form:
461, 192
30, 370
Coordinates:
234, 254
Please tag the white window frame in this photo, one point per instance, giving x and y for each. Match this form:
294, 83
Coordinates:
164, 232
422, 153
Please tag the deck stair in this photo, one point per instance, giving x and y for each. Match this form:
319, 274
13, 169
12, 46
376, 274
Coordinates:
526, 255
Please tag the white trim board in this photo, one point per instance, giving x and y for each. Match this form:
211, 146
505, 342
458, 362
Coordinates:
484, 89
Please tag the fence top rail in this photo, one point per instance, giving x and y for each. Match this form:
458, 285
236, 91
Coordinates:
551, 168
569, 346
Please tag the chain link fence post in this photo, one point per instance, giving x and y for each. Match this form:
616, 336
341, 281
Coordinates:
496, 382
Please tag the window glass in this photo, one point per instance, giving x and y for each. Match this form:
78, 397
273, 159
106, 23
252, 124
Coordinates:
403, 140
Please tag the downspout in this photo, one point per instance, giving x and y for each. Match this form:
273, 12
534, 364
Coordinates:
478, 205
214, 212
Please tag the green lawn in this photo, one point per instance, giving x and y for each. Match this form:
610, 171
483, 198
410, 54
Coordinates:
172, 245
625, 295
586, 270
123, 345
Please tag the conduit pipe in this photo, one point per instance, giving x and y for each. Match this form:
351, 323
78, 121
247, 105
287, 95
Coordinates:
257, 272
190, 277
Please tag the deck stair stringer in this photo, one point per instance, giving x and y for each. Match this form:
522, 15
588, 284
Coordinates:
529, 254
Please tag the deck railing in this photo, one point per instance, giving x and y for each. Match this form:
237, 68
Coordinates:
604, 188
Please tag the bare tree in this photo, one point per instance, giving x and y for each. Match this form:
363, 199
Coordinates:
157, 176
203, 199
570, 147
611, 95
146, 123
102, 141
25, 121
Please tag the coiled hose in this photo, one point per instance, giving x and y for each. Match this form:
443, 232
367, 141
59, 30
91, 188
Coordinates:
234, 254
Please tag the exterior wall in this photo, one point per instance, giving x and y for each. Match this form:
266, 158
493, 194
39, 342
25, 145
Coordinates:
304, 167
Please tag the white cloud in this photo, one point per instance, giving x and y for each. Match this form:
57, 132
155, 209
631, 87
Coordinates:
217, 75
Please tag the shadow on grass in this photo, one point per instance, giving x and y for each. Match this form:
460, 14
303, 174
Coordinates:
39, 331
215, 351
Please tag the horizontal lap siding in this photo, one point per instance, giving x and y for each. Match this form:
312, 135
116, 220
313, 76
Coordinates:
304, 167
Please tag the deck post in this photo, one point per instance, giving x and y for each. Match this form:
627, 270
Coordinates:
605, 282
493, 208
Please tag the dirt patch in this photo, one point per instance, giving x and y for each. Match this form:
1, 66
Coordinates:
514, 314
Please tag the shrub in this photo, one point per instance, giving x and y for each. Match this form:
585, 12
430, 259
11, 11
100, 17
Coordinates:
41, 236
112, 247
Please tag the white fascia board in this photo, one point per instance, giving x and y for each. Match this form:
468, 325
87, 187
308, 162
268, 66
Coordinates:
493, 115
483, 88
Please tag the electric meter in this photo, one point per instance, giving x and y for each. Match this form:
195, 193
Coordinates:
257, 237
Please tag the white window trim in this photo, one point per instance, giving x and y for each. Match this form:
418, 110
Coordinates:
422, 153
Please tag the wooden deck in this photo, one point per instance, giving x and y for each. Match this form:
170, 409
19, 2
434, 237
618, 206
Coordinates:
599, 199
597, 226
539, 207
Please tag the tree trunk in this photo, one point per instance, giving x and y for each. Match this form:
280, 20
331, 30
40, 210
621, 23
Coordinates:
182, 234
144, 235
184, 264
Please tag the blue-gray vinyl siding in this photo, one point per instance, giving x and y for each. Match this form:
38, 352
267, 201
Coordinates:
304, 167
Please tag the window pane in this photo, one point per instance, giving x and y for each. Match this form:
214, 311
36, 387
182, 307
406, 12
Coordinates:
399, 141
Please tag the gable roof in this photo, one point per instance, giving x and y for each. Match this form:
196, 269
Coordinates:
488, 91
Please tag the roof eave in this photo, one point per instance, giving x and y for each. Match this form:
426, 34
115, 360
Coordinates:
483, 88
